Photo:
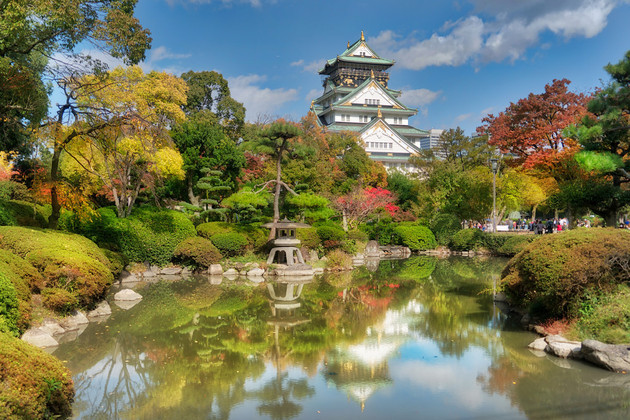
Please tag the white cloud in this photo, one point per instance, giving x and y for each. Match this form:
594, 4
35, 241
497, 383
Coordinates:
313, 94
311, 67
258, 100
463, 117
419, 98
508, 29
161, 53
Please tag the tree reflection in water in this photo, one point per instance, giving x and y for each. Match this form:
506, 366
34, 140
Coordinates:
193, 349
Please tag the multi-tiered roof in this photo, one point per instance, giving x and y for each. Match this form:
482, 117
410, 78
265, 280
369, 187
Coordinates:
357, 98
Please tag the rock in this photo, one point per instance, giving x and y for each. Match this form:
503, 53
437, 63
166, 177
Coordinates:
126, 304
186, 271
216, 270
372, 249
561, 347
127, 295
251, 265
610, 356
149, 273
255, 272
216, 280
39, 338
127, 277
170, 271
538, 344
318, 270
500, 297
312, 255
525, 319
72, 322
539, 329
102, 309
230, 272
52, 327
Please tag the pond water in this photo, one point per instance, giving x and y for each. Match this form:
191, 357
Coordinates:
417, 338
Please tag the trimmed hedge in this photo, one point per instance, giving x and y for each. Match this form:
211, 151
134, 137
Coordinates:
197, 251
35, 385
230, 244
24, 278
9, 311
61, 260
255, 235
308, 237
553, 275
467, 240
444, 226
23, 213
416, 237
148, 235
515, 244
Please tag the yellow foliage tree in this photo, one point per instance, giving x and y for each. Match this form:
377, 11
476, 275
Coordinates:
121, 136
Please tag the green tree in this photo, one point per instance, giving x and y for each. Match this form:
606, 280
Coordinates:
605, 137
214, 189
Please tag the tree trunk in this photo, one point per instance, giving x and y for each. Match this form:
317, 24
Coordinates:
276, 197
194, 200
611, 218
534, 212
53, 219
344, 220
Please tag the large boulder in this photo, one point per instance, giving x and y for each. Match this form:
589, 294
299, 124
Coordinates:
561, 347
127, 295
101, 310
610, 356
39, 338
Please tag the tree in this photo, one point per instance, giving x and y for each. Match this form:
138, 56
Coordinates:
279, 140
357, 206
605, 137
245, 205
214, 189
35, 31
205, 145
532, 128
209, 95
126, 145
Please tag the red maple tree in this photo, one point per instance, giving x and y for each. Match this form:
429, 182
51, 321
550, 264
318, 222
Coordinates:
532, 128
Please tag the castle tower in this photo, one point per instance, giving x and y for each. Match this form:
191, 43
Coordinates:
357, 98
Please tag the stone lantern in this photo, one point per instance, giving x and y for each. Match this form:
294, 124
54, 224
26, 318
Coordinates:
286, 248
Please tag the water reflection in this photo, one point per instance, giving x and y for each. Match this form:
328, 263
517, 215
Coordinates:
412, 338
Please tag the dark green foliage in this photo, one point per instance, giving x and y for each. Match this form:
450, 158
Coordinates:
381, 231
416, 237
255, 235
444, 226
308, 237
556, 272
330, 233
35, 385
9, 312
59, 300
358, 235
212, 228
23, 213
197, 251
117, 261
230, 244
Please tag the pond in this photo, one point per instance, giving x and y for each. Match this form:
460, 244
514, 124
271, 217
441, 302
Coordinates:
414, 338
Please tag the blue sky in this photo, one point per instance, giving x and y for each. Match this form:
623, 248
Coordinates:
456, 61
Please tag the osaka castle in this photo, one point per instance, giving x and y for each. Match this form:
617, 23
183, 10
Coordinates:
357, 98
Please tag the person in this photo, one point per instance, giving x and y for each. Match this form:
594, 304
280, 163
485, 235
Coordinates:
549, 226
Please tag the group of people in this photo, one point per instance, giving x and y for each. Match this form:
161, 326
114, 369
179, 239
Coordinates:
537, 226
549, 226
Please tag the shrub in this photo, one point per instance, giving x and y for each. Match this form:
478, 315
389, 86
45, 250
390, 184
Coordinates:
23, 213
358, 235
197, 251
338, 260
59, 300
9, 312
117, 261
514, 244
416, 237
444, 226
556, 272
35, 385
330, 233
605, 317
382, 231
206, 230
230, 244
467, 240
308, 237
24, 277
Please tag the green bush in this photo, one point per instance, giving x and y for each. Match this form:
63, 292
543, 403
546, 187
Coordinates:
23, 213
255, 235
382, 231
197, 251
330, 233
230, 244
35, 385
62, 260
444, 226
338, 260
59, 300
308, 237
206, 230
416, 237
117, 261
514, 244
24, 278
9, 311
604, 317
358, 235
556, 272
467, 240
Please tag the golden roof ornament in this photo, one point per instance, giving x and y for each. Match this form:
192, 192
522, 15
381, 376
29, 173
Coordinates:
362, 36
372, 73
379, 115
348, 44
